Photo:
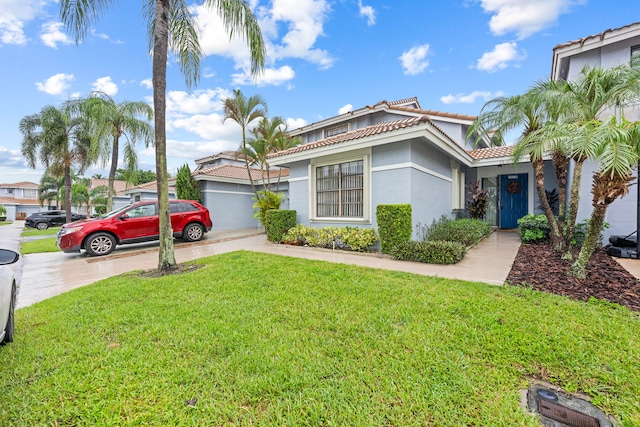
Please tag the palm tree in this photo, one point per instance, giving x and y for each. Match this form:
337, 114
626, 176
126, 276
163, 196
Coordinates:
617, 149
112, 121
527, 112
170, 25
59, 139
266, 135
244, 111
51, 189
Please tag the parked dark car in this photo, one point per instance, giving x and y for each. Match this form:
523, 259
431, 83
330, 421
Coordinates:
134, 223
46, 219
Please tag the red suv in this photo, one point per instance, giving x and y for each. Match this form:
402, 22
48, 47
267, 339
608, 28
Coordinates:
134, 223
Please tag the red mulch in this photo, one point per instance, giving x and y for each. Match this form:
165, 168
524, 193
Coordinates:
543, 269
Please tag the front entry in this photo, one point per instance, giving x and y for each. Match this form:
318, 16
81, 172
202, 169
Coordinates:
514, 199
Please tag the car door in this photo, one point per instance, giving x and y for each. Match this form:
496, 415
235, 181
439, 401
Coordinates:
181, 213
56, 218
139, 222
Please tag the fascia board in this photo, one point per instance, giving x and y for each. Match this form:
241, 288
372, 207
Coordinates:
337, 119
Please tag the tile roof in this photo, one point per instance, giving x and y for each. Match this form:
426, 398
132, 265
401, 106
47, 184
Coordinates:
229, 154
118, 185
17, 201
240, 172
491, 152
601, 36
22, 184
376, 129
152, 186
434, 113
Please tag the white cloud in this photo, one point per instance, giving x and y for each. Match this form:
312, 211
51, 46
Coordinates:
295, 123
56, 84
104, 84
469, 98
14, 14
11, 158
148, 83
525, 17
414, 61
51, 35
270, 76
368, 12
181, 104
197, 149
211, 127
345, 109
500, 57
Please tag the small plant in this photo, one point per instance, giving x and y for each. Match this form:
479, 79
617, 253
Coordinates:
3, 213
534, 228
347, 238
278, 223
467, 231
478, 199
580, 233
431, 252
394, 225
266, 200
554, 200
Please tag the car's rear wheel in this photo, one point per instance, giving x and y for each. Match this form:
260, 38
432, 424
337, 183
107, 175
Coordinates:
9, 329
100, 244
193, 232
42, 225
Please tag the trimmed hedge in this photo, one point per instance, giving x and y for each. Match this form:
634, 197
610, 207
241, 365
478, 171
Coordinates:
348, 238
278, 222
467, 231
394, 225
431, 252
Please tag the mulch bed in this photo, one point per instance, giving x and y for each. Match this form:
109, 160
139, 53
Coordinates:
543, 269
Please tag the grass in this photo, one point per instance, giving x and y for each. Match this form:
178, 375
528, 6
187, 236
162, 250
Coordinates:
5, 223
260, 339
26, 232
48, 244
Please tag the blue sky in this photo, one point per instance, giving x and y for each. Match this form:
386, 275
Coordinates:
325, 57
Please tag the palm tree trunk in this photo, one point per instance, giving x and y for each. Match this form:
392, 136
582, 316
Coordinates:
246, 163
112, 173
67, 192
556, 237
166, 256
572, 213
559, 161
590, 241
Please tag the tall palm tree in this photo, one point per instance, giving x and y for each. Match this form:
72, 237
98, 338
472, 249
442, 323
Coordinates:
244, 111
59, 139
111, 120
527, 112
617, 148
170, 25
51, 189
266, 135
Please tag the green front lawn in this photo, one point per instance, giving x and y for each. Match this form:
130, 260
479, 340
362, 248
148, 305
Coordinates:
34, 232
260, 339
47, 244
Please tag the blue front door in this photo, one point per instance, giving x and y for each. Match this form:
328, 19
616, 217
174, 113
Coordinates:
513, 199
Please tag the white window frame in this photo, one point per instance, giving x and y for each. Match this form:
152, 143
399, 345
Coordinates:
339, 128
359, 155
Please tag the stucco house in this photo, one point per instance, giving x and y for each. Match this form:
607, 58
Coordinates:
20, 199
608, 49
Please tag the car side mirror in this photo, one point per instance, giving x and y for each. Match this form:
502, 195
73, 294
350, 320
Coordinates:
124, 216
8, 256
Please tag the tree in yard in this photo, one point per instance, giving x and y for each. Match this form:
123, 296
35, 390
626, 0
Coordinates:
111, 121
170, 26
51, 189
617, 149
245, 111
186, 187
59, 139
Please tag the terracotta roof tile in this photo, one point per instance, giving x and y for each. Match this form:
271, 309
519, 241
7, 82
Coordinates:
119, 186
22, 184
240, 172
364, 132
17, 201
491, 152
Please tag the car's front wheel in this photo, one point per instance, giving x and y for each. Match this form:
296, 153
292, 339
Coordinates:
99, 244
193, 233
42, 225
10, 327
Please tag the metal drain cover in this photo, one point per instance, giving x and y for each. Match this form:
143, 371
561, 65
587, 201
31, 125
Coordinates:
559, 409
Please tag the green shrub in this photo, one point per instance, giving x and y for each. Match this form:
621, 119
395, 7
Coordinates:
580, 232
534, 228
278, 223
3, 210
467, 231
348, 238
431, 252
266, 200
394, 225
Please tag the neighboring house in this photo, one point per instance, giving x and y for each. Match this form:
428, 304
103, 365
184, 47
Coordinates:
397, 152
20, 199
120, 199
608, 49
147, 191
226, 189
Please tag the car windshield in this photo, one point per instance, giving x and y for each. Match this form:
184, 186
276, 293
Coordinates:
115, 212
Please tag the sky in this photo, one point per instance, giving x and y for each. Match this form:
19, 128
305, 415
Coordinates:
324, 58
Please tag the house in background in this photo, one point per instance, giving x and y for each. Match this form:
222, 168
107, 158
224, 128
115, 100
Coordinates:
397, 152
227, 192
20, 199
608, 49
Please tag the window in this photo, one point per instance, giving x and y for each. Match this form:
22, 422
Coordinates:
10, 190
340, 190
142, 210
457, 189
30, 193
635, 55
336, 130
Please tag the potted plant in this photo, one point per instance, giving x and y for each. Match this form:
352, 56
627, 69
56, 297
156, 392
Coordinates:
3, 213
